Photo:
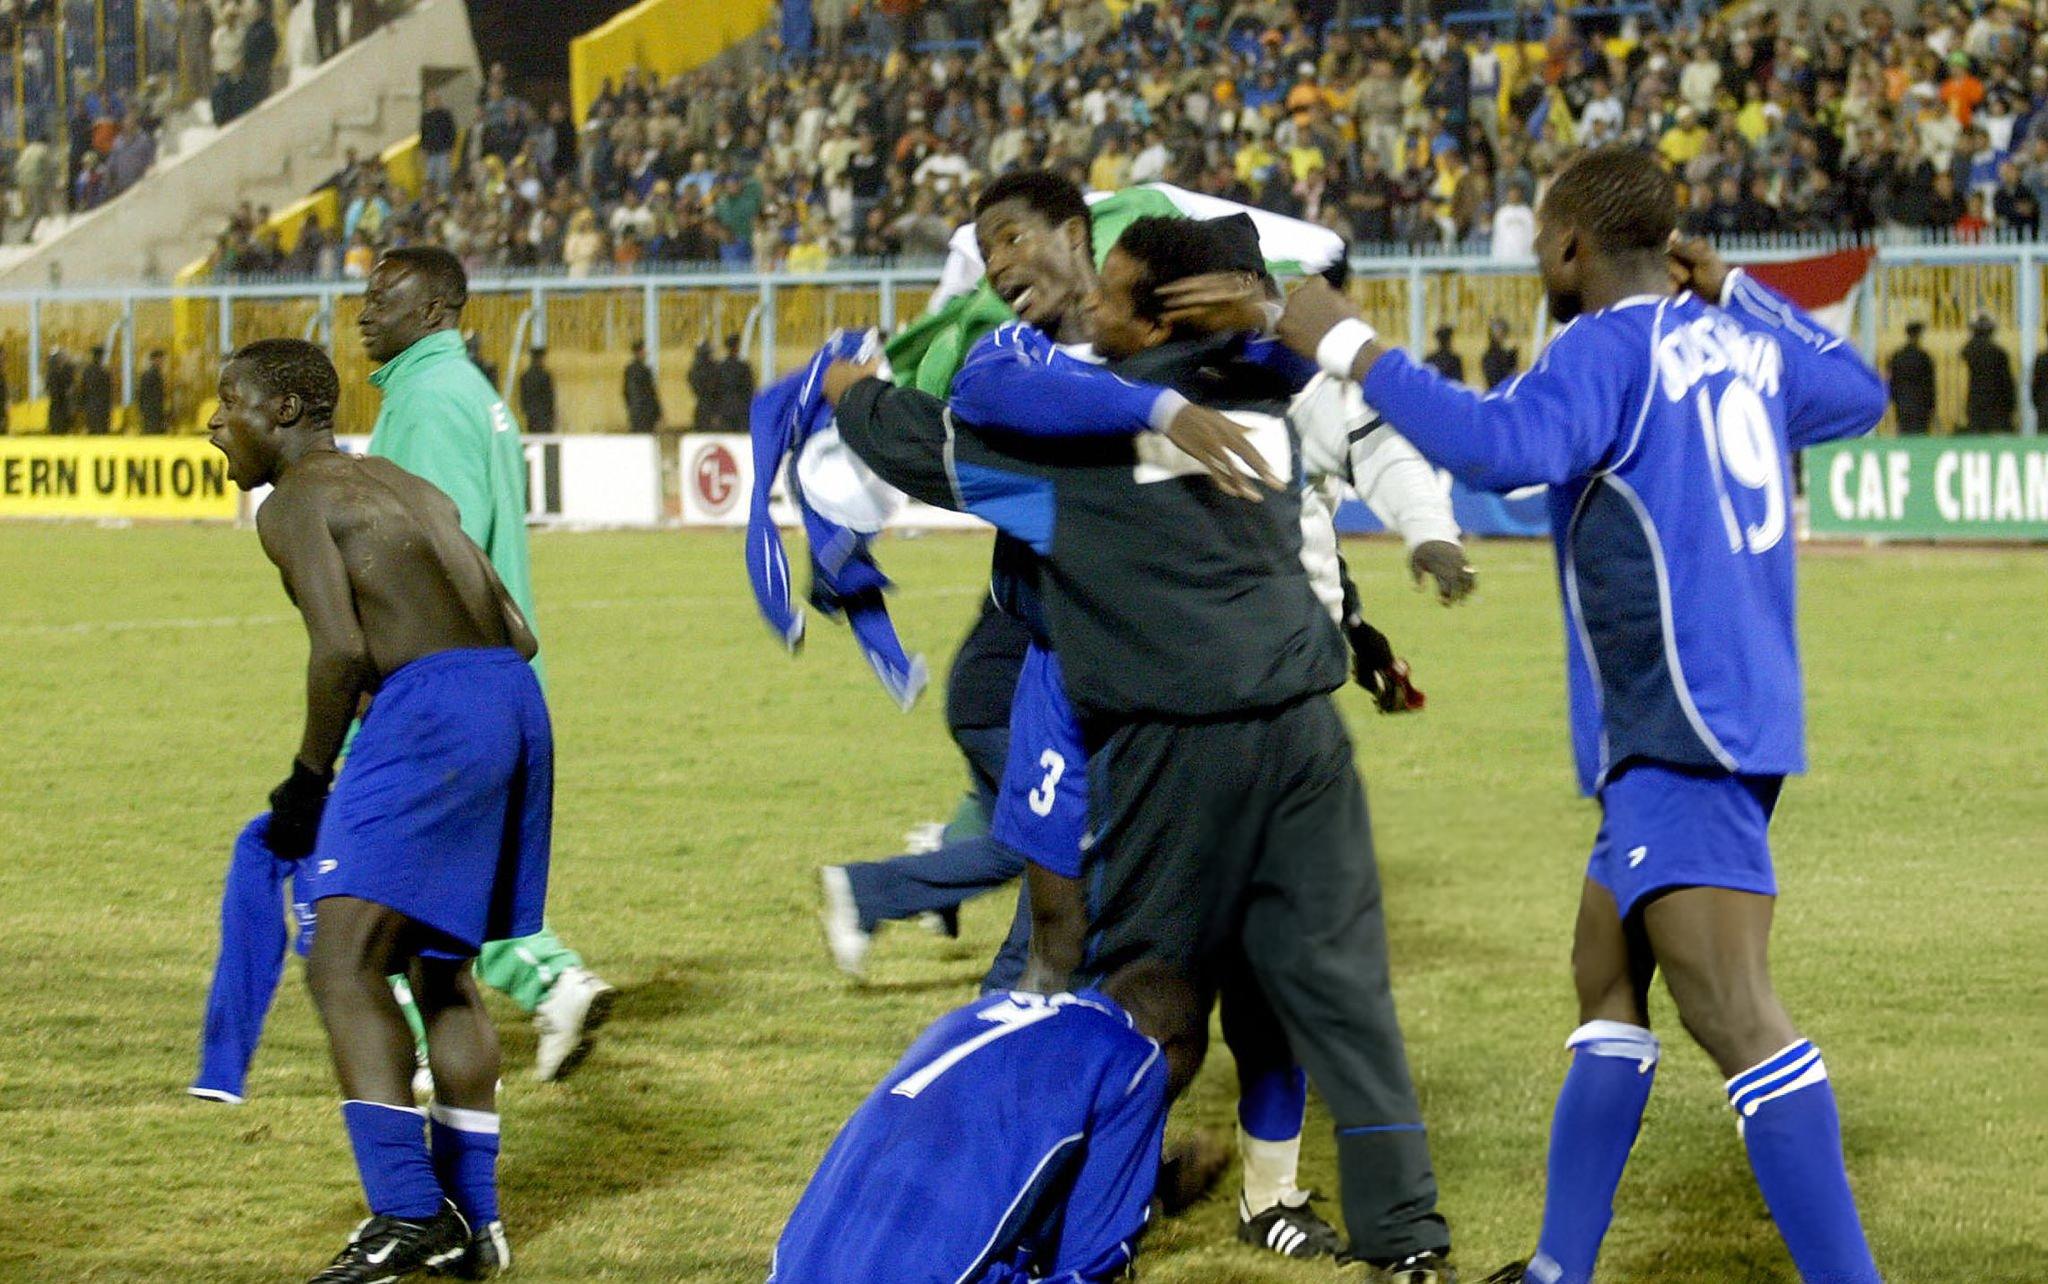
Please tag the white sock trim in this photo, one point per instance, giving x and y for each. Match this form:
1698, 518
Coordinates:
221, 1095
1816, 1072
483, 1121
1805, 1071
385, 1105
1270, 1169
1617, 1039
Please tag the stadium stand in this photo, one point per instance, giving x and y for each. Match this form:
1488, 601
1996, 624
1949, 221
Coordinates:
93, 91
857, 140
1431, 133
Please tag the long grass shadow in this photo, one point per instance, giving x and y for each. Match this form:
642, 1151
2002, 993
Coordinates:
675, 989
613, 1132
965, 984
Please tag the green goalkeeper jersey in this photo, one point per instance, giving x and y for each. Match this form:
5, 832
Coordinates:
442, 420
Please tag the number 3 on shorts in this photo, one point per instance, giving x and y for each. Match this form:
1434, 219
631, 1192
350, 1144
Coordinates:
1043, 797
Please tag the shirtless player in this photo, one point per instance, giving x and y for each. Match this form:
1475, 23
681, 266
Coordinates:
435, 838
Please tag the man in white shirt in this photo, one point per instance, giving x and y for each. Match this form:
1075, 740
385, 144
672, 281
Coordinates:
943, 170
1007, 149
1700, 80
1601, 119
633, 215
1514, 226
1149, 165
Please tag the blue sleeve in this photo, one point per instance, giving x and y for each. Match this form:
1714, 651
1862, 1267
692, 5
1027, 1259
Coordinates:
1293, 368
1830, 391
1015, 378
1112, 1194
1557, 421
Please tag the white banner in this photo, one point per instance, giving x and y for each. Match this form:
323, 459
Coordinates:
716, 472
572, 480
592, 480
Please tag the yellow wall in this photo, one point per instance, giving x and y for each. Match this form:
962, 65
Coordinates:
403, 162
665, 36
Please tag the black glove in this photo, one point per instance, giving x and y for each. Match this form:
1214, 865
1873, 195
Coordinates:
1376, 668
295, 808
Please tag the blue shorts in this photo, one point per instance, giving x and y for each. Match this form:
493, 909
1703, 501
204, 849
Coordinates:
444, 810
1663, 828
1042, 808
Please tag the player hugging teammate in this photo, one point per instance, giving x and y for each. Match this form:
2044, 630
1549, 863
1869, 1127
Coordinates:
1178, 780
1662, 417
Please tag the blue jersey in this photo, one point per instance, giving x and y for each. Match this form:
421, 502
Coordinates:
1664, 428
1018, 1140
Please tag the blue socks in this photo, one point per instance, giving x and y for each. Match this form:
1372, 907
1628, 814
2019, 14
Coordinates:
402, 1177
1785, 1111
466, 1161
1270, 1103
391, 1154
1599, 1112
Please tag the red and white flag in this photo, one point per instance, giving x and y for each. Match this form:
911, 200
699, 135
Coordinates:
1824, 285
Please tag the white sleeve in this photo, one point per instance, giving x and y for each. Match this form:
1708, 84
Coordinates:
963, 270
1343, 438
1319, 415
1399, 485
1319, 545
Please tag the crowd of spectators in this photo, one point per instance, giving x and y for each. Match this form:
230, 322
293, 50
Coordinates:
109, 141
1389, 127
87, 145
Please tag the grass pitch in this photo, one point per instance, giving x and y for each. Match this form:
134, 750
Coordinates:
152, 693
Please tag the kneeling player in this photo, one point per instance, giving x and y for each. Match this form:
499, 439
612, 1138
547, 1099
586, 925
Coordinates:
1017, 1140
436, 837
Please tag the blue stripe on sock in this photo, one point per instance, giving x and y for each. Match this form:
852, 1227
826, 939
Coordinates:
1773, 1074
1365, 1128
1769, 1068
1795, 1150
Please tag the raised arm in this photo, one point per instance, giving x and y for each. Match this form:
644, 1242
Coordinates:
1552, 424
1831, 392
1344, 438
1016, 379
1023, 394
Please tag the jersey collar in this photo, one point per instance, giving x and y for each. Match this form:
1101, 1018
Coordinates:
1640, 300
422, 352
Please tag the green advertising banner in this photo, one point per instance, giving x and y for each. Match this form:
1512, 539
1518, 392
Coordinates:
1930, 487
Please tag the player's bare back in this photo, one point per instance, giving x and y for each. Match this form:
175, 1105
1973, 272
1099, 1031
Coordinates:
419, 585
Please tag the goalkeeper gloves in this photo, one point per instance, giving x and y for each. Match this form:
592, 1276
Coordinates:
1376, 668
